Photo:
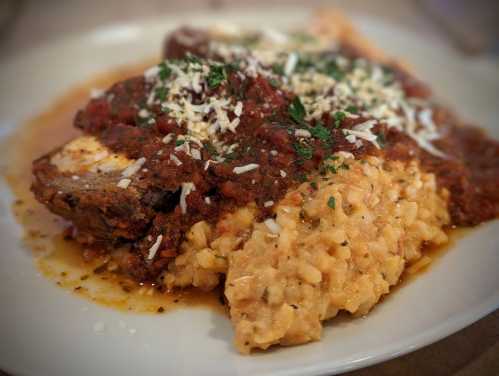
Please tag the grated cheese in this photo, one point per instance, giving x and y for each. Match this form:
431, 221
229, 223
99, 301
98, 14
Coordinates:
291, 63
302, 133
245, 168
143, 113
133, 168
196, 154
363, 131
187, 188
168, 138
175, 159
124, 183
272, 225
154, 248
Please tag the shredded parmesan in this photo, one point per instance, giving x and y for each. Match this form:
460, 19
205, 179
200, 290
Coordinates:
168, 138
175, 159
302, 133
143, 113
363, 131
268, 204
133, 168
187, 188
196, 154
272, 225
154, 248
291, 63
245, 168
124, 183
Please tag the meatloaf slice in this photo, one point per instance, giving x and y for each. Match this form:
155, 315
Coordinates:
87, 184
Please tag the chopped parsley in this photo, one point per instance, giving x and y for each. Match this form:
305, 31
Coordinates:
179, 142
304, 152
164, 71
216, 76
352, 109
339, 116
161, 93
232, 66
314, 186
192, 59
327, 167
278, 69
321, 132
296, 110
332, 70
332, 157
331, 202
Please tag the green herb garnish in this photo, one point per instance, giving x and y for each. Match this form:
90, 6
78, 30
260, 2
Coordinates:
321, 132
278, 69
314, 186
332, 157
332, 70
331, 168
352, 109
296, 110
331, 202
164, 71
339, 116
216, 76
161, 93
193, 59
304, 152
179, 142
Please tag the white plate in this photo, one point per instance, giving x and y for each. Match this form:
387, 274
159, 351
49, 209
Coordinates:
44, 330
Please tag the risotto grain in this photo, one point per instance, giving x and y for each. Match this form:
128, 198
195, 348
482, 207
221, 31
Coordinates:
344, 239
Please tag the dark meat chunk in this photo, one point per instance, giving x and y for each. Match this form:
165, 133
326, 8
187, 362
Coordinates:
94, 203
186, 40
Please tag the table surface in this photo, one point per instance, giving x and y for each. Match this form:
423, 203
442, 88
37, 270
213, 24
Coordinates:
26, 24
